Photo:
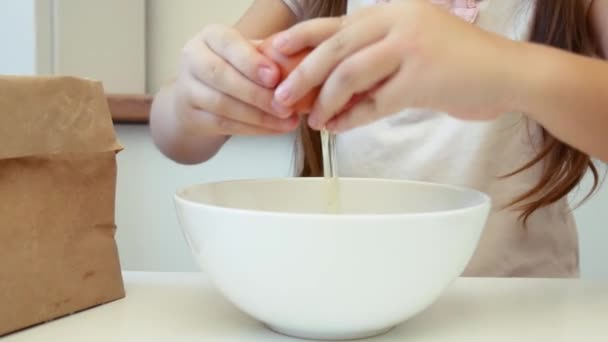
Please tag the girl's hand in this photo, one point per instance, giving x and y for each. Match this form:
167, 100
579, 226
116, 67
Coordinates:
402, 55
225, 87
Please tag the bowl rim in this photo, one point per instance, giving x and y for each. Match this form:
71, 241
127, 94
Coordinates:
485, 200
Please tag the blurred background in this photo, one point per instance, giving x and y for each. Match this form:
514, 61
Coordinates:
133, 47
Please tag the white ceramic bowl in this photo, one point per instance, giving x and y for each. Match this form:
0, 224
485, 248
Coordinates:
272, 250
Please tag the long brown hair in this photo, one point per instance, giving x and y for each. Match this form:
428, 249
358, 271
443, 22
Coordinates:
558, 23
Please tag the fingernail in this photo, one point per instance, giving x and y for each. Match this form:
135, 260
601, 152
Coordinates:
280, 109
280, 41
267, 76
283, 93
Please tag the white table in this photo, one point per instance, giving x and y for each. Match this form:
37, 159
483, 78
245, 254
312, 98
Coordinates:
184, 307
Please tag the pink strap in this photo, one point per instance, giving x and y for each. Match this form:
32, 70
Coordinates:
465, 9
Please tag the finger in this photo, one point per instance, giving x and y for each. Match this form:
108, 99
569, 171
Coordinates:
316, 67
376, 105
306, 34
231, 109
360, 115
215, 72
311, 33
242, 55
357, 74
226, 126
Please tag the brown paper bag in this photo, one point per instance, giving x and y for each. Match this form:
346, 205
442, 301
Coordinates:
57, 189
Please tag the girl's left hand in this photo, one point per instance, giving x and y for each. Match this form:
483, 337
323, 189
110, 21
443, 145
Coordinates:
404, 55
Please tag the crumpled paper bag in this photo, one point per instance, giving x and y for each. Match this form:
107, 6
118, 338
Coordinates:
57, 192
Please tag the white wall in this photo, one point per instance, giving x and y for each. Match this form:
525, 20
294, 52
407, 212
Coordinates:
149, 237
592, 220
103, 40
172, 23
17, 37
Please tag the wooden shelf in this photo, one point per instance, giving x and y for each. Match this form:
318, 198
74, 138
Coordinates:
130, 108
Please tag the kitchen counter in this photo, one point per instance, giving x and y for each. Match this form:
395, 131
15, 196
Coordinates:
185, 307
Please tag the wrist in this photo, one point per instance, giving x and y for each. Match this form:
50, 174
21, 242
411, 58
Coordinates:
535, 76
513, 77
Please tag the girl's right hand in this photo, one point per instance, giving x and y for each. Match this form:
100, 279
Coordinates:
225, 87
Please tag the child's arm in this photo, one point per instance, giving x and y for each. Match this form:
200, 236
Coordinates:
568, 94
411, 54
219, 90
